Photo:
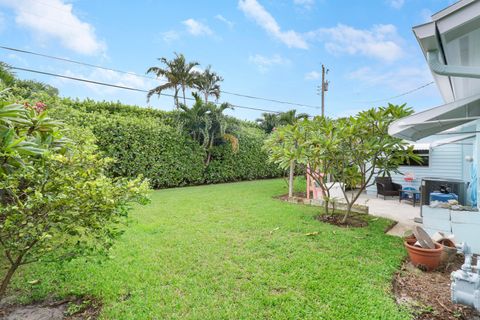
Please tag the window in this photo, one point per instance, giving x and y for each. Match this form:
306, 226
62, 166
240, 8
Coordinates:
423, 154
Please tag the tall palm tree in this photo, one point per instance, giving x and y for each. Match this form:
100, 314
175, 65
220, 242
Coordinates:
6, 75
206, 124
208, 84
290, 117
268, 122
180, 75
194, 121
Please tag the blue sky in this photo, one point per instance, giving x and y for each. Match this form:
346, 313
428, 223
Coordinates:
267, 48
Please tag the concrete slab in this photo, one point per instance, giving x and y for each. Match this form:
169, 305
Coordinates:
402, 212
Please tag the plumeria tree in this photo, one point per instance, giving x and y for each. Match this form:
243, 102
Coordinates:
351, 151
285, 148
55, 200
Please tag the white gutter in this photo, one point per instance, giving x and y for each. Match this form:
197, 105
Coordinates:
442, 69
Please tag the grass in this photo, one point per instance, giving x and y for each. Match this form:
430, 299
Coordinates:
231, 251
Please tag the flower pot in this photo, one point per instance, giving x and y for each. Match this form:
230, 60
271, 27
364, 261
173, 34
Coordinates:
449, 251
427, 259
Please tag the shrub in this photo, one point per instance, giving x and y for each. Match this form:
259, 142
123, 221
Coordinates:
56, 202
149, 142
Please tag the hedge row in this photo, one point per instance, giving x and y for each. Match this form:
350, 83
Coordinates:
148, 142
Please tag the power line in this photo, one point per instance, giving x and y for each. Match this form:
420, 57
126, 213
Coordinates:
125, 87
153, 78
400, 95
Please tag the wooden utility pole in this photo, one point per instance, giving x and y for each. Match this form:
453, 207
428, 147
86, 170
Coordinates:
323, 88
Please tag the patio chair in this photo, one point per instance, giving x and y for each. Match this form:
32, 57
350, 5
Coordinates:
386, 187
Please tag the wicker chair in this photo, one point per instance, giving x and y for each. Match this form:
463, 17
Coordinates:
386, 187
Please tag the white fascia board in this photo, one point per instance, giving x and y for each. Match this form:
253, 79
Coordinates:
459, 17
451, 9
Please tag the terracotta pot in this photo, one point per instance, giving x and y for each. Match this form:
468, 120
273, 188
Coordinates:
449, 251
428, 259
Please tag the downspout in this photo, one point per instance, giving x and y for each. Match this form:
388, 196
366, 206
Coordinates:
442, 69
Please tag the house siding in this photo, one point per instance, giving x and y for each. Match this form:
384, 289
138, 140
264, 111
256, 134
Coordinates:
447, 161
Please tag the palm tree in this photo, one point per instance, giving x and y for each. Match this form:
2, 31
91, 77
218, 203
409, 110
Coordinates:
290, 117
6, 75
180, 75
194, 121
206, 124
208, 84
268, 122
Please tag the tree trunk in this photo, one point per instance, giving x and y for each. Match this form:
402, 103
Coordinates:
184, 98
206, 97
290, 178
349, 210
326, 202
209, 153
8, 277
175, 98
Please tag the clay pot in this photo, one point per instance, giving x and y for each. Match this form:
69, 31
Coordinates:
428, 259
449, 251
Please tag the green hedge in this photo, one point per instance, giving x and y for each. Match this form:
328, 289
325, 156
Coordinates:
248, 163
148, 142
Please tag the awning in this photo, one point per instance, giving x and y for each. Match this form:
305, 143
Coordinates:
435, 120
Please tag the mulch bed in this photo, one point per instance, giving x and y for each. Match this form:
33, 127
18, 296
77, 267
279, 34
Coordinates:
353, 220
428, 293
67, 309
284, 197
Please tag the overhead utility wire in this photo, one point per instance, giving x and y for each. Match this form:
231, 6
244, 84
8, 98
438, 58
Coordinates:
149, 77
125, 87
402, 94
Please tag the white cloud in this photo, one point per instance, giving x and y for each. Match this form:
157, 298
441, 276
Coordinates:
265, 63
381, 41
255, 11
399, 80
54, 19
229, 23
170, 36
312, 75
307, 4
396, 4
197, 28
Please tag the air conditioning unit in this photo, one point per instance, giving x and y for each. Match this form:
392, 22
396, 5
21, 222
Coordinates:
456, 186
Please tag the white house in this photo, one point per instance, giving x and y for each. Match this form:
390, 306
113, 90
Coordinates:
451, 45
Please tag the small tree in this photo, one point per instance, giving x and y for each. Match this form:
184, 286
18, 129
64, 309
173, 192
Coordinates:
207, 124
368, 150
320, 152
284, 147
56, 202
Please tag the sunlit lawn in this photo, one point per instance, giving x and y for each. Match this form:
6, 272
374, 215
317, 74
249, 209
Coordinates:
231, 251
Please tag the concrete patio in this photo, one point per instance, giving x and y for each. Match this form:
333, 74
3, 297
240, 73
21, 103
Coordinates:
402, 212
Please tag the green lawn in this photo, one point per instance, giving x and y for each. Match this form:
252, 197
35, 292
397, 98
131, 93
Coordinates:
231, 251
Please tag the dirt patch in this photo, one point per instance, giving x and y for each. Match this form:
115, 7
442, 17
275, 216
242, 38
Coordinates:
284, 197
67, 309
428, 293
353, 220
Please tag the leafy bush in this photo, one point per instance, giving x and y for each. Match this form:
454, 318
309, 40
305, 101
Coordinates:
248, 163
149, 142
55, 200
